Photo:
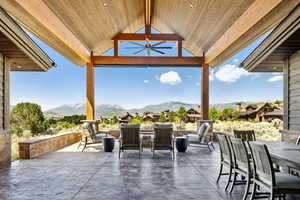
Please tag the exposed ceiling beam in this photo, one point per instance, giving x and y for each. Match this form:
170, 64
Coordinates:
149, 9
42, 13
142, 36
245, 22
148, 61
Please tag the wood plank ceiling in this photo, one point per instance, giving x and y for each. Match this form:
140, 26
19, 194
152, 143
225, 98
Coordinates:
94, 22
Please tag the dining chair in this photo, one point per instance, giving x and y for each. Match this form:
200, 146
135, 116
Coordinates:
93, 137
246, 135
241, 165
226, 158
163, 138
201, 137
293, 171
277, 185
130, 138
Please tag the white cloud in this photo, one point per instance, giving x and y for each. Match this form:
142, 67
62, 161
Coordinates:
230, 73
171, 78
275, 78
146, 81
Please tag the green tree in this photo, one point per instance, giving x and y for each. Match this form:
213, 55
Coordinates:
114, 120
171, 116
135, 120
229, 114
28, 116
73, 119
181, 113
162, 117
214, 114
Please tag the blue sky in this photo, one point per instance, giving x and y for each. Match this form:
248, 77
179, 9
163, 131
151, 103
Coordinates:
137, 87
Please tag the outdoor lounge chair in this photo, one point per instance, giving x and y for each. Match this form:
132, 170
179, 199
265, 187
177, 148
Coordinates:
201, 137
163, 138
130, 138
93, 137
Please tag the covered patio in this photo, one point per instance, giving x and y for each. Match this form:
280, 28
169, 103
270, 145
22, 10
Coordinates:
68, 174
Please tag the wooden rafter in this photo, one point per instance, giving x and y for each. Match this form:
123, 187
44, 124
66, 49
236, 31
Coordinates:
149, 9
148, 60
245, 22
143, 37
40, 11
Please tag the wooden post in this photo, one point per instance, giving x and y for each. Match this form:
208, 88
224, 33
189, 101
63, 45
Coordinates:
116, 48
90, 97
205, 90
179, 46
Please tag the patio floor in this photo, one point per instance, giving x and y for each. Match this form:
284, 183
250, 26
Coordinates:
67, 174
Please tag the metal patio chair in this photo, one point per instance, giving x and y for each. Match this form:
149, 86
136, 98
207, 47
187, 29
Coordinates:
293, 171
93, 137
226, 159
163, 138
130, 138
201, 137
277, 185
248, 135
241, 165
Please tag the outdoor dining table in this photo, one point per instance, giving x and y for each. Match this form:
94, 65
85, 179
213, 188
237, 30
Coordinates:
284, 154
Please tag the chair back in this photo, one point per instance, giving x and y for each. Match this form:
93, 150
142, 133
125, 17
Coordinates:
241, 158
163, 135
202, 132
263, 166
298, 141
248, 135
89, 126
225, 149
130, 134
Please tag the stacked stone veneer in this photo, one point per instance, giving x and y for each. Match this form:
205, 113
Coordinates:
37, 147
5, 146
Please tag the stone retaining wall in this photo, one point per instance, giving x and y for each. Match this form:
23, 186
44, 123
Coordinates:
5, 146
37, 147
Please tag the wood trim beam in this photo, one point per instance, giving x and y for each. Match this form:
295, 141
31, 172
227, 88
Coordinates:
179, 47
149, 10
90, 90
42, 13
116, 48
142, 37
148, 60
244, 23
205, 91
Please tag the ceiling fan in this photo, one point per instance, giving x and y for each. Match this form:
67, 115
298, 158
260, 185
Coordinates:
148, 47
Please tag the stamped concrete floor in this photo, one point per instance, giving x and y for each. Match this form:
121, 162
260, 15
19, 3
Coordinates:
68, 174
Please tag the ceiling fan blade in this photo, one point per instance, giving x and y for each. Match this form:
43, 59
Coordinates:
148, 51
158, 51
162, 47
159, 43
139, 51
138, 44
134, 47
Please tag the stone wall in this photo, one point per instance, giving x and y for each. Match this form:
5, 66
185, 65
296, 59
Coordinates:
5, 148
37, 147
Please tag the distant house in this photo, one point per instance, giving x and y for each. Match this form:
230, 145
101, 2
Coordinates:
192, 115
125, 119
259, 112
151, 117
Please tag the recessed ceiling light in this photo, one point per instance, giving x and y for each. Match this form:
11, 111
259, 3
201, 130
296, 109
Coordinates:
19, 67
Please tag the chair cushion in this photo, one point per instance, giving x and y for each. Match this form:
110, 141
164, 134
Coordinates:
193, 138
163, 126
287, 182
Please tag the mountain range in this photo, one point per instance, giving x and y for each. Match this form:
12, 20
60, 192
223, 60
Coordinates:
108, 110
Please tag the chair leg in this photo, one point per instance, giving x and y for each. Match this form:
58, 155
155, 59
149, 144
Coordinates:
233, 182
253, 191
220, 172
153, 153
119, 152
229, 178
173, 153
212, 144
85, 143
247, 188
139, 153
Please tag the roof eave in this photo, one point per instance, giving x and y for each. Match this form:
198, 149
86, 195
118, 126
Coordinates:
18, 36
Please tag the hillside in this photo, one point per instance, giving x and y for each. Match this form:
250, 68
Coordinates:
109, 110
